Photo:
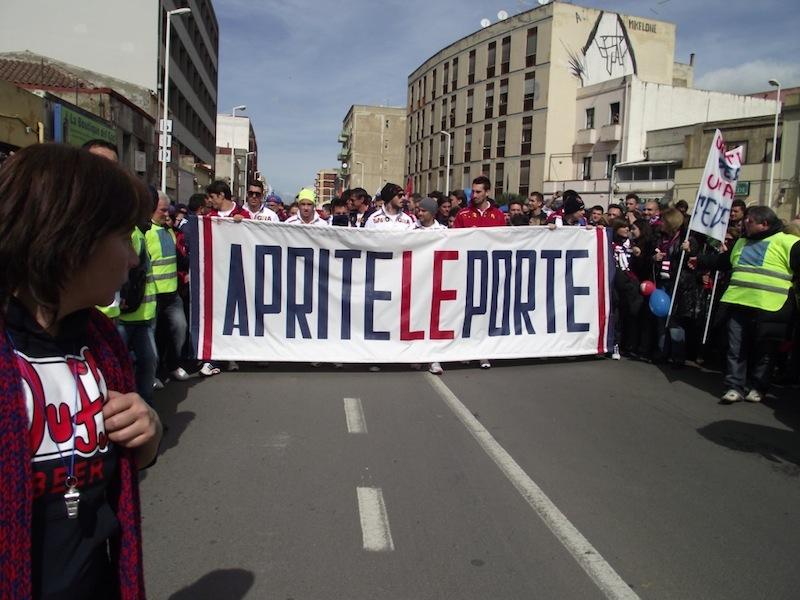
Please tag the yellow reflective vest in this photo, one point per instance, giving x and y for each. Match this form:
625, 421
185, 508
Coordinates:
762, 275
147, 309
161, 247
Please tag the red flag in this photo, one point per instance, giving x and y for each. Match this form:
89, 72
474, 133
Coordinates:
409, 186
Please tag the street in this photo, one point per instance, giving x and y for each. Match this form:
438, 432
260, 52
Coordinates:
290, 482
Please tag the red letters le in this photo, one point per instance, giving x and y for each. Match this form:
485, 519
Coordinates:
405, 302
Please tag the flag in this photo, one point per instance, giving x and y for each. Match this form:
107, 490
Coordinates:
712, 209
409, 186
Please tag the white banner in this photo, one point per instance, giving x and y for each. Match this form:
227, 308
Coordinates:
273, 292
712, 210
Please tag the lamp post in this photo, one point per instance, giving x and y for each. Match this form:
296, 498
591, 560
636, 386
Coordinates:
170, 13
447, 173
776, 84
361, 183
233, 147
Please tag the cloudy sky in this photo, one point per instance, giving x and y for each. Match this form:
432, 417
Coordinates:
299, 65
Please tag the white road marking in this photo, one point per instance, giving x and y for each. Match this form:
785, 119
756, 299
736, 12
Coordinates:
354, 412
602, 573
375, 532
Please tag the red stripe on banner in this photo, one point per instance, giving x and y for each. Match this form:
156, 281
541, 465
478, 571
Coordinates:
208, 289
601, 288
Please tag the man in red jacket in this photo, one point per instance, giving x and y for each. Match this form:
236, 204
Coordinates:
481, 212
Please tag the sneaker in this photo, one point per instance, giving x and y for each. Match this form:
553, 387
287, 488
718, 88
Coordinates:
179, 374
754, 396
374, 368
616, 355
436, 368
207, 370
233, 365
158, 384
315, 364
416, 367
731, 396
485, 364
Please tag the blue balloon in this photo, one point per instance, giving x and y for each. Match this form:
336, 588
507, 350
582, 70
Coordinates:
659, 303
468, 194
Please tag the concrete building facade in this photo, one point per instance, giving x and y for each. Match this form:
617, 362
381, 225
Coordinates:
237, 139
126, 40
372, 147
513, 97
325, 185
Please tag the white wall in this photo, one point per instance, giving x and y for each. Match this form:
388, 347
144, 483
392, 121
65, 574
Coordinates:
114, 37
657, 106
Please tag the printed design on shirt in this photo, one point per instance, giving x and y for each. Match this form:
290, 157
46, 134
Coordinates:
49, 387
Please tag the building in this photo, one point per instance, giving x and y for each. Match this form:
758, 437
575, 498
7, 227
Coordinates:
372, 147
236, 139
126, 41
325, 185
80, 105
685, 149
514, 98
21, 120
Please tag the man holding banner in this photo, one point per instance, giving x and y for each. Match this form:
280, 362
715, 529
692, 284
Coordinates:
762, 262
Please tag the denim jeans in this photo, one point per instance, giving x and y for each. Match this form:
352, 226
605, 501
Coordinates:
141, 340
750, 347
171, 329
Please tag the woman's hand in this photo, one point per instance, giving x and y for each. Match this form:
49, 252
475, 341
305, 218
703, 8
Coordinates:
659, 256
131, 423
636, 251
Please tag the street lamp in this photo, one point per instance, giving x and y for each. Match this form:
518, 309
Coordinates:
447, 173
233, 145
170, 13
361, 183
776, 84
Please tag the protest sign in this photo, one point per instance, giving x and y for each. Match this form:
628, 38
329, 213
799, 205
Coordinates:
712, 210
275, 292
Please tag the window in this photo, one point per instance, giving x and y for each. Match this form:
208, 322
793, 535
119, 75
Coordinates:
471, 68
503, 105
527, 135
424, 88
499, 172
489, 110
590, 118
430, 120
530, 49
492, 59
455, 74
430, 154
487, 141
505, 55
433, 86
587, 167
658, 172
768, 151
486, 169
441, 150
445, 77
530, 91
501, 139
610, 162
444, 113
466, 179
452, 111
470, 104
468, 144
524, 177
614, 117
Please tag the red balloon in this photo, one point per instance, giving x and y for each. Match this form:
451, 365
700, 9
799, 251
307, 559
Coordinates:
647, 287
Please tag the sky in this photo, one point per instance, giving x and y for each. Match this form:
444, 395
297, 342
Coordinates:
298, 65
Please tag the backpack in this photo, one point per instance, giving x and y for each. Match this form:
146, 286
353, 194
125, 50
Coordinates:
131, 293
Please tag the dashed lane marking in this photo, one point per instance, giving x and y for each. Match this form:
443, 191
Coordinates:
375, 531
354, 412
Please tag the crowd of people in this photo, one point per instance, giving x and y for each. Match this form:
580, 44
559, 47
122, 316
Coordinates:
123, 248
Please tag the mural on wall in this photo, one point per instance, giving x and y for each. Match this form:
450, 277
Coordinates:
608, 53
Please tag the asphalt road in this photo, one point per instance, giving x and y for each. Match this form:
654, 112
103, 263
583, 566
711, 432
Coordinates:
622, 479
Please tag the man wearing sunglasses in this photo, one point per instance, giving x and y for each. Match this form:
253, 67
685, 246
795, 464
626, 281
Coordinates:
258, 209
390, 215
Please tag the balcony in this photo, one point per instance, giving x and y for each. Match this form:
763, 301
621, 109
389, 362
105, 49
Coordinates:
343, 137
342, 156
611, 133
586, 137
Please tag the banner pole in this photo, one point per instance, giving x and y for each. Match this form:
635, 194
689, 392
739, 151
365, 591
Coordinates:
678, 276
710, 306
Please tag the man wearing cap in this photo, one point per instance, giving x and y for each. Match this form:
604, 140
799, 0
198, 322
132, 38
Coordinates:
307, 215
259, 211
571, 212
426, 215
390, 216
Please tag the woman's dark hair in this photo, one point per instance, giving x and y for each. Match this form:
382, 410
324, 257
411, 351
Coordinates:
56, 203
460, 195
645, 230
